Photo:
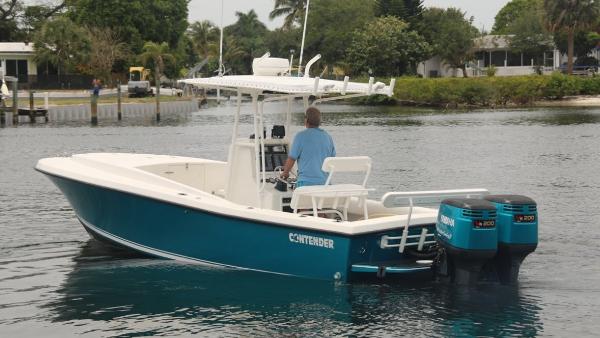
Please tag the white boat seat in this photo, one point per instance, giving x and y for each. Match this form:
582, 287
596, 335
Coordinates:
328, 198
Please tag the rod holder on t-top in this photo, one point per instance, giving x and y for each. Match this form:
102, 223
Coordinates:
310, 63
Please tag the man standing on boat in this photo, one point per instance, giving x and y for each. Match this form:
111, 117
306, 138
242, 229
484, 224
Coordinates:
310, 148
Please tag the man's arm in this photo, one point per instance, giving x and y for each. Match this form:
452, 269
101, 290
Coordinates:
289, 164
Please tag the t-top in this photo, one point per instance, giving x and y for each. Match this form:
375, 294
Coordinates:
310, 148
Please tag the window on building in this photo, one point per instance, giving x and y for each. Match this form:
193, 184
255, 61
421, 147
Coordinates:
514, 59
11, 67
549, 59
527, 59
17, 68
22, 67
498, 58
480, 58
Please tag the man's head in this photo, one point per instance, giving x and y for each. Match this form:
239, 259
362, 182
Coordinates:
312, 117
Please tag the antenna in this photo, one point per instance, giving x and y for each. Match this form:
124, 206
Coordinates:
220, 55
303, 36
221, 44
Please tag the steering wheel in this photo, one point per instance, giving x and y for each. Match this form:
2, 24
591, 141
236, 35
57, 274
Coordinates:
291, 178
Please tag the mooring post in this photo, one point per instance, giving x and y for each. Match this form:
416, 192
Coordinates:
119, 115
15, 102
31, 106
158, 100
94, 109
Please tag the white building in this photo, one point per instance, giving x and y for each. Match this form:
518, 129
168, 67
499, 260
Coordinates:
493, 50
16, 59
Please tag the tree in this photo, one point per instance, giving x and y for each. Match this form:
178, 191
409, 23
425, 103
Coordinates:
407, 10
9, 11
293, 10
135, 21
157, 54
570, 17
331, 26
232, 51
513, 10
205, 36
63, 44
280, 41
106, 49
19, 21
250, 35
529, 35
583, 43
387, 47
450, 34
34, 16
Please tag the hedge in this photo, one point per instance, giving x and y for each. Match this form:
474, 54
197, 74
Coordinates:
492, 91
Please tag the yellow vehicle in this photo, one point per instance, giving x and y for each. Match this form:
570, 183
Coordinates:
138, 84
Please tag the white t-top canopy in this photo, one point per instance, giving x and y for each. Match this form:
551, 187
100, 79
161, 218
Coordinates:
291, 85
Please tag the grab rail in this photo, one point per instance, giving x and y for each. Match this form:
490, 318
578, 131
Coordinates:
385, 240
412, 199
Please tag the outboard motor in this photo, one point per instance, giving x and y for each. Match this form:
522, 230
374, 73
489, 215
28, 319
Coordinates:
517, 224
466, 230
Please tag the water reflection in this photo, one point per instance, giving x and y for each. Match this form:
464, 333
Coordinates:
108, 285
558, 117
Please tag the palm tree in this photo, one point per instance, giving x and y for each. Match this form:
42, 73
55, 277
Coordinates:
247, 25
233, 51
205, 36
157, 54
571, 16
292, 9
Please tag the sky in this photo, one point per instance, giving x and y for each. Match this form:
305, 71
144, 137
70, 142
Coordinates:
484, 11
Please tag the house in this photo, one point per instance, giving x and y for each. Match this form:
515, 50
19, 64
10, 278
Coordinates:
494, 50
17, 59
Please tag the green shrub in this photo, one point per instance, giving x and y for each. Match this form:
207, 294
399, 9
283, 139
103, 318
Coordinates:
491, 71
475, 92
590, 86
488, 91
561, 85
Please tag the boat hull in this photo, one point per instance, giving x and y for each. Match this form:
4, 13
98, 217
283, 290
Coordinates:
172, 231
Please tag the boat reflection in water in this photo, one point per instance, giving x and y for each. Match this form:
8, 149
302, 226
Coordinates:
113, 292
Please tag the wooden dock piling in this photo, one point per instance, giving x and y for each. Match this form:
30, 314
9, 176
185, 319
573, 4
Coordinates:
31, 106
94, 109
119, 111
15, 102
158, 100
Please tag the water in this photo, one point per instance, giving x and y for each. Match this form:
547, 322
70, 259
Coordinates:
56, 282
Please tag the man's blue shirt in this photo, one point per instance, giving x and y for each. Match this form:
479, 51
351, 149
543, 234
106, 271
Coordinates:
310, 148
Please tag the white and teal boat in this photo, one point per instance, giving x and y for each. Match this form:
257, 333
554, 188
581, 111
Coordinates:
236, 214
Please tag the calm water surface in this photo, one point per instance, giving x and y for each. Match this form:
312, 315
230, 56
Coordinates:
56, 282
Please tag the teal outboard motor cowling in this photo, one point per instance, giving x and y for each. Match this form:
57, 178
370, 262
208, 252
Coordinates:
517, 223
466, 230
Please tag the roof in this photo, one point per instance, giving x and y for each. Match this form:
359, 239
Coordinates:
16, 47
289, 85
493, 42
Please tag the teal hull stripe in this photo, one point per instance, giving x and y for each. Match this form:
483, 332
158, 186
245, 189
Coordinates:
164, 254
389, 269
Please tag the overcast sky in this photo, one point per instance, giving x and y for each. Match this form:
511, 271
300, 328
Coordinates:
484, 11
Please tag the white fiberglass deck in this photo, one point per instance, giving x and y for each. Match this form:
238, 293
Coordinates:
185, 181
